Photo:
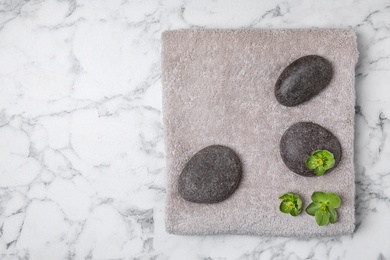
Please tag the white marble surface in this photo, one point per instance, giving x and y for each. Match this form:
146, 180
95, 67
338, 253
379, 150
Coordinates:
82, 170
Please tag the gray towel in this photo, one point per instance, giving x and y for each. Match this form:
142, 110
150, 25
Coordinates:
218, 88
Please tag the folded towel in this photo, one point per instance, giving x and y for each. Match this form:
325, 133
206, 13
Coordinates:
218, 88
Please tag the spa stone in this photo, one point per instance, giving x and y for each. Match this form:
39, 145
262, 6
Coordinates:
211, 175
302, 80
300, 140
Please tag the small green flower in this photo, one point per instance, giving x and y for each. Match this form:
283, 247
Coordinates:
291, 203
323, 207
320, 161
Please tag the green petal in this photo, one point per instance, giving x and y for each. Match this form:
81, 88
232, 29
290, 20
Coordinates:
332, 215
317, 153
320, 171
295, 212
327, 155
319, 196
284, 207
322, 217
313, 208
299, 204
284, 197
333, 199
287, 196
311, 163
328, 164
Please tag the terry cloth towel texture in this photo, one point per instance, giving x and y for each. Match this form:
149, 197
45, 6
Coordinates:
218, 88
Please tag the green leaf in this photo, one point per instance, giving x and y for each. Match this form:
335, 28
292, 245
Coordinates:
295, 212
322, 217
311, 163
332, 215
284, 207
333, 200
320, 171
319, 196
313, 208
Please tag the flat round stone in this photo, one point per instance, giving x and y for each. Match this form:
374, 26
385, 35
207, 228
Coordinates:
302, 80
211, 175
300, 140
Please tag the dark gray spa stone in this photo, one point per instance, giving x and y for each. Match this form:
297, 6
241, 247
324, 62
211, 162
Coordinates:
211, 175
302, 80
300, 140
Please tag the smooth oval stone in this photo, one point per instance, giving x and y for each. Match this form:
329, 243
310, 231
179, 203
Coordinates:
300, 140
211, 175
302, 80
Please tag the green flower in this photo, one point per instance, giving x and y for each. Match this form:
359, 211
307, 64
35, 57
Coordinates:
291, 203
323, 207
320, 161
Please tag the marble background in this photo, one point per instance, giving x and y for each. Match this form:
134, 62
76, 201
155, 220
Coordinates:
82, 169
